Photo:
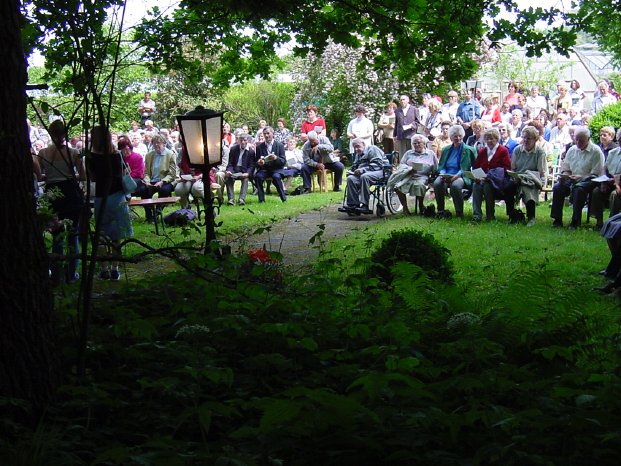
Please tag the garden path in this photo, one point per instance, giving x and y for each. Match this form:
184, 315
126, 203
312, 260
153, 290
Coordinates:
291, 236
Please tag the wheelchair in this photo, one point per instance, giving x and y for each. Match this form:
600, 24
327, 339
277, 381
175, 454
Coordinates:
381, 197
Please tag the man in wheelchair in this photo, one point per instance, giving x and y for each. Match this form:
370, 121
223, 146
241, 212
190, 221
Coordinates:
366, 170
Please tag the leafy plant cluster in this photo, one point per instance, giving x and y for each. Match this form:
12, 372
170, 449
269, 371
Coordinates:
324, 368
608, 116
414, 247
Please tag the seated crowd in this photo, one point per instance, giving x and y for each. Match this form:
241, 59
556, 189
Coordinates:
479, 147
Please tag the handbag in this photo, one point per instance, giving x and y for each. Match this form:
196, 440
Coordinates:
378, 135
129, 184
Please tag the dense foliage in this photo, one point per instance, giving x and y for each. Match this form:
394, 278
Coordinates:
249, 370
608, 116
602, 20
509, 64
414, 247
433, 41
333, 82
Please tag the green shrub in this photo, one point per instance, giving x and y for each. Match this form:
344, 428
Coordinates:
415, 247
608, 116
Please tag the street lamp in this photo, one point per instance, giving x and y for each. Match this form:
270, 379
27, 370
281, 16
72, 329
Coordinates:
201, 137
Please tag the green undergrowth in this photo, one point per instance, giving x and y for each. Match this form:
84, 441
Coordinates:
239, 363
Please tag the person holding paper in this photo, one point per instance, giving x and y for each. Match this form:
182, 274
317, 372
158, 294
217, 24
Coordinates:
608, 185
583, 162
455, 159
312, 123
529, 167
360, 127
295, 160
492, 156
413, 173
270, 161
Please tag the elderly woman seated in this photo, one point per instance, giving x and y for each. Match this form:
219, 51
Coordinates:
491, 157
530, 166
455, 159
413, 172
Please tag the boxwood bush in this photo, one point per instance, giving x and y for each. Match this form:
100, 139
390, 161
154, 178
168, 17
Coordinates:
415, 247
608, 116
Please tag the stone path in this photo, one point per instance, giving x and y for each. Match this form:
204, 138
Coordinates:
291, 237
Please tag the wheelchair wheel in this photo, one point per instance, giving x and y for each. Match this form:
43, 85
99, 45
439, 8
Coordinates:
392, 201
380, 210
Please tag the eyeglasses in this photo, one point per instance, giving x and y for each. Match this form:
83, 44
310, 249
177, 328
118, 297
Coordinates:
452, 96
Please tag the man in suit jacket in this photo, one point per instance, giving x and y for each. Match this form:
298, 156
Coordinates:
271, 161
406, 124
240, 167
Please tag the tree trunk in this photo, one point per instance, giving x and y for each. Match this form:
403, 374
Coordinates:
28, 363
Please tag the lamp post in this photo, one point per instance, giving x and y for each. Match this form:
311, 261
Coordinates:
201, 137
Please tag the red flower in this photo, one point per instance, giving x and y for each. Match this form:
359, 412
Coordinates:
261, 256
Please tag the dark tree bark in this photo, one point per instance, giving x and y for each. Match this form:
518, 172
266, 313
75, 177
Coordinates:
28, 367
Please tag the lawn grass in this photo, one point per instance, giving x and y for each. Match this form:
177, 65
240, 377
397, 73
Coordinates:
487, 255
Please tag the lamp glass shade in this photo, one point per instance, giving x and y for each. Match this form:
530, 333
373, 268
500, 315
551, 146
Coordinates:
202, 137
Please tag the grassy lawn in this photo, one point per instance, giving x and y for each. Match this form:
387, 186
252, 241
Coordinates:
486, 255
489, 254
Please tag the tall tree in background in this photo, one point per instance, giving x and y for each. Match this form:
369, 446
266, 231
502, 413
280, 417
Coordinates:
28, 367
427, 40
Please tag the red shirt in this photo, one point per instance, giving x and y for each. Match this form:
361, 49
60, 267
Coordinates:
499, 159
307, 126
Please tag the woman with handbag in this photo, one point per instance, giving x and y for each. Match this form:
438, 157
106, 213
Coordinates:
133, 165
386, 128
64, 170
112, 218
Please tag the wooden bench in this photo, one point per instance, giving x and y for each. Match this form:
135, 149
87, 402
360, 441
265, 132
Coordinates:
158, 206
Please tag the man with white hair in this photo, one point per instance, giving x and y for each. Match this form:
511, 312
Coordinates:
316, 152
368, 168
559, 135
583, 162
407, 120
604, 98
